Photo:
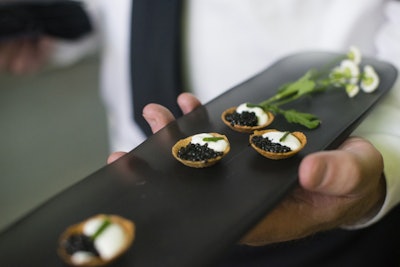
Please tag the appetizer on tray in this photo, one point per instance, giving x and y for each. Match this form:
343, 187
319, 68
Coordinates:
247, 118
274, 144
96, 241
201, 150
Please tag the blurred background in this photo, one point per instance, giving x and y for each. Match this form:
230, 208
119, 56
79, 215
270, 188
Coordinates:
52, 134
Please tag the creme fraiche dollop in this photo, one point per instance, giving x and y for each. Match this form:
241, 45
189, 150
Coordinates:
290, 140
218, 145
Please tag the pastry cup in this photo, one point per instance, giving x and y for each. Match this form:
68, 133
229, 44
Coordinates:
245, 129
272, 155
127, 226
198, 164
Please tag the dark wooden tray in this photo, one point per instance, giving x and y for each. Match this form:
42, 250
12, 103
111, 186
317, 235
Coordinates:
186, 216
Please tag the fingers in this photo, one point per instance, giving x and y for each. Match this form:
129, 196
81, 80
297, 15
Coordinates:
352, 169
157, 116
114, 156
188, 102
7, 52
22, 56
32, 55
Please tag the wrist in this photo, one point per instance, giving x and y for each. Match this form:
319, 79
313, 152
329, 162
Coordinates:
373, 210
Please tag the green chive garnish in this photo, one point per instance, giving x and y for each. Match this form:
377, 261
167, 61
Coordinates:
251, 105
212, 139
283, 137
101, 229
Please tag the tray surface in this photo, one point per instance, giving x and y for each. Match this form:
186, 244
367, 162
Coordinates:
186, 216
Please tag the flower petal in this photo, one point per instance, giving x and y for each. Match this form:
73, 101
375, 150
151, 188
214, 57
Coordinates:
351, 70
352, 90
369, 79
354, 54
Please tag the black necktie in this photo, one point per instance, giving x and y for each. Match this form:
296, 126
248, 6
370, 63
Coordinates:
155, 55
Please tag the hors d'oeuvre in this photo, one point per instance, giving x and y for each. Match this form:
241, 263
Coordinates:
201, 150
275, 144
247, 118
96, 241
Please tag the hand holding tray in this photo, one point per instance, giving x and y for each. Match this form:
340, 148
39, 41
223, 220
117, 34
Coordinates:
186, 216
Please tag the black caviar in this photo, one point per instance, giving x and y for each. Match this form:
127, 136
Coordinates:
80, 242
197, 152
244, 119
267, 145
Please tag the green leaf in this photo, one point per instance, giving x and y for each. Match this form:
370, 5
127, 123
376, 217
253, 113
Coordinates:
291, 91
304, 85
306, 119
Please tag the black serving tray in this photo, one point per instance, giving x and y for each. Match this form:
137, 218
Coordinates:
186, 216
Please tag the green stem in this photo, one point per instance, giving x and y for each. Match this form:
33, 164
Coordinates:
212, 139
101, 229
313, 81
284, 136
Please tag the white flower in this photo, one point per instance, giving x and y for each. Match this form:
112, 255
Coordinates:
352, 90
354, 54
347, 72
350, 70
337, 77
369, 79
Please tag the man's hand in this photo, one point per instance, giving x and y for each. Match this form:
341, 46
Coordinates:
158, 116
338, 187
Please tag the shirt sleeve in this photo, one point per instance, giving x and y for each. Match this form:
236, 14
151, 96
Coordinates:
382, 127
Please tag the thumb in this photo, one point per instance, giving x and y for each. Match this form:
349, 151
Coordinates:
349, 170
330, 173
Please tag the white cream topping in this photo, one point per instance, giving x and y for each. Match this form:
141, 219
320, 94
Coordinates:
110, 241
290, 140
81, 257
91, 226
218, 146
262, 116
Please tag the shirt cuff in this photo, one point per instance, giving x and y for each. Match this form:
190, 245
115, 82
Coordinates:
389, 146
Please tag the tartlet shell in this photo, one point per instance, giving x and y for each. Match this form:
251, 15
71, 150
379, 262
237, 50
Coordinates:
127, 225
245, 129
271, 155
198, 164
